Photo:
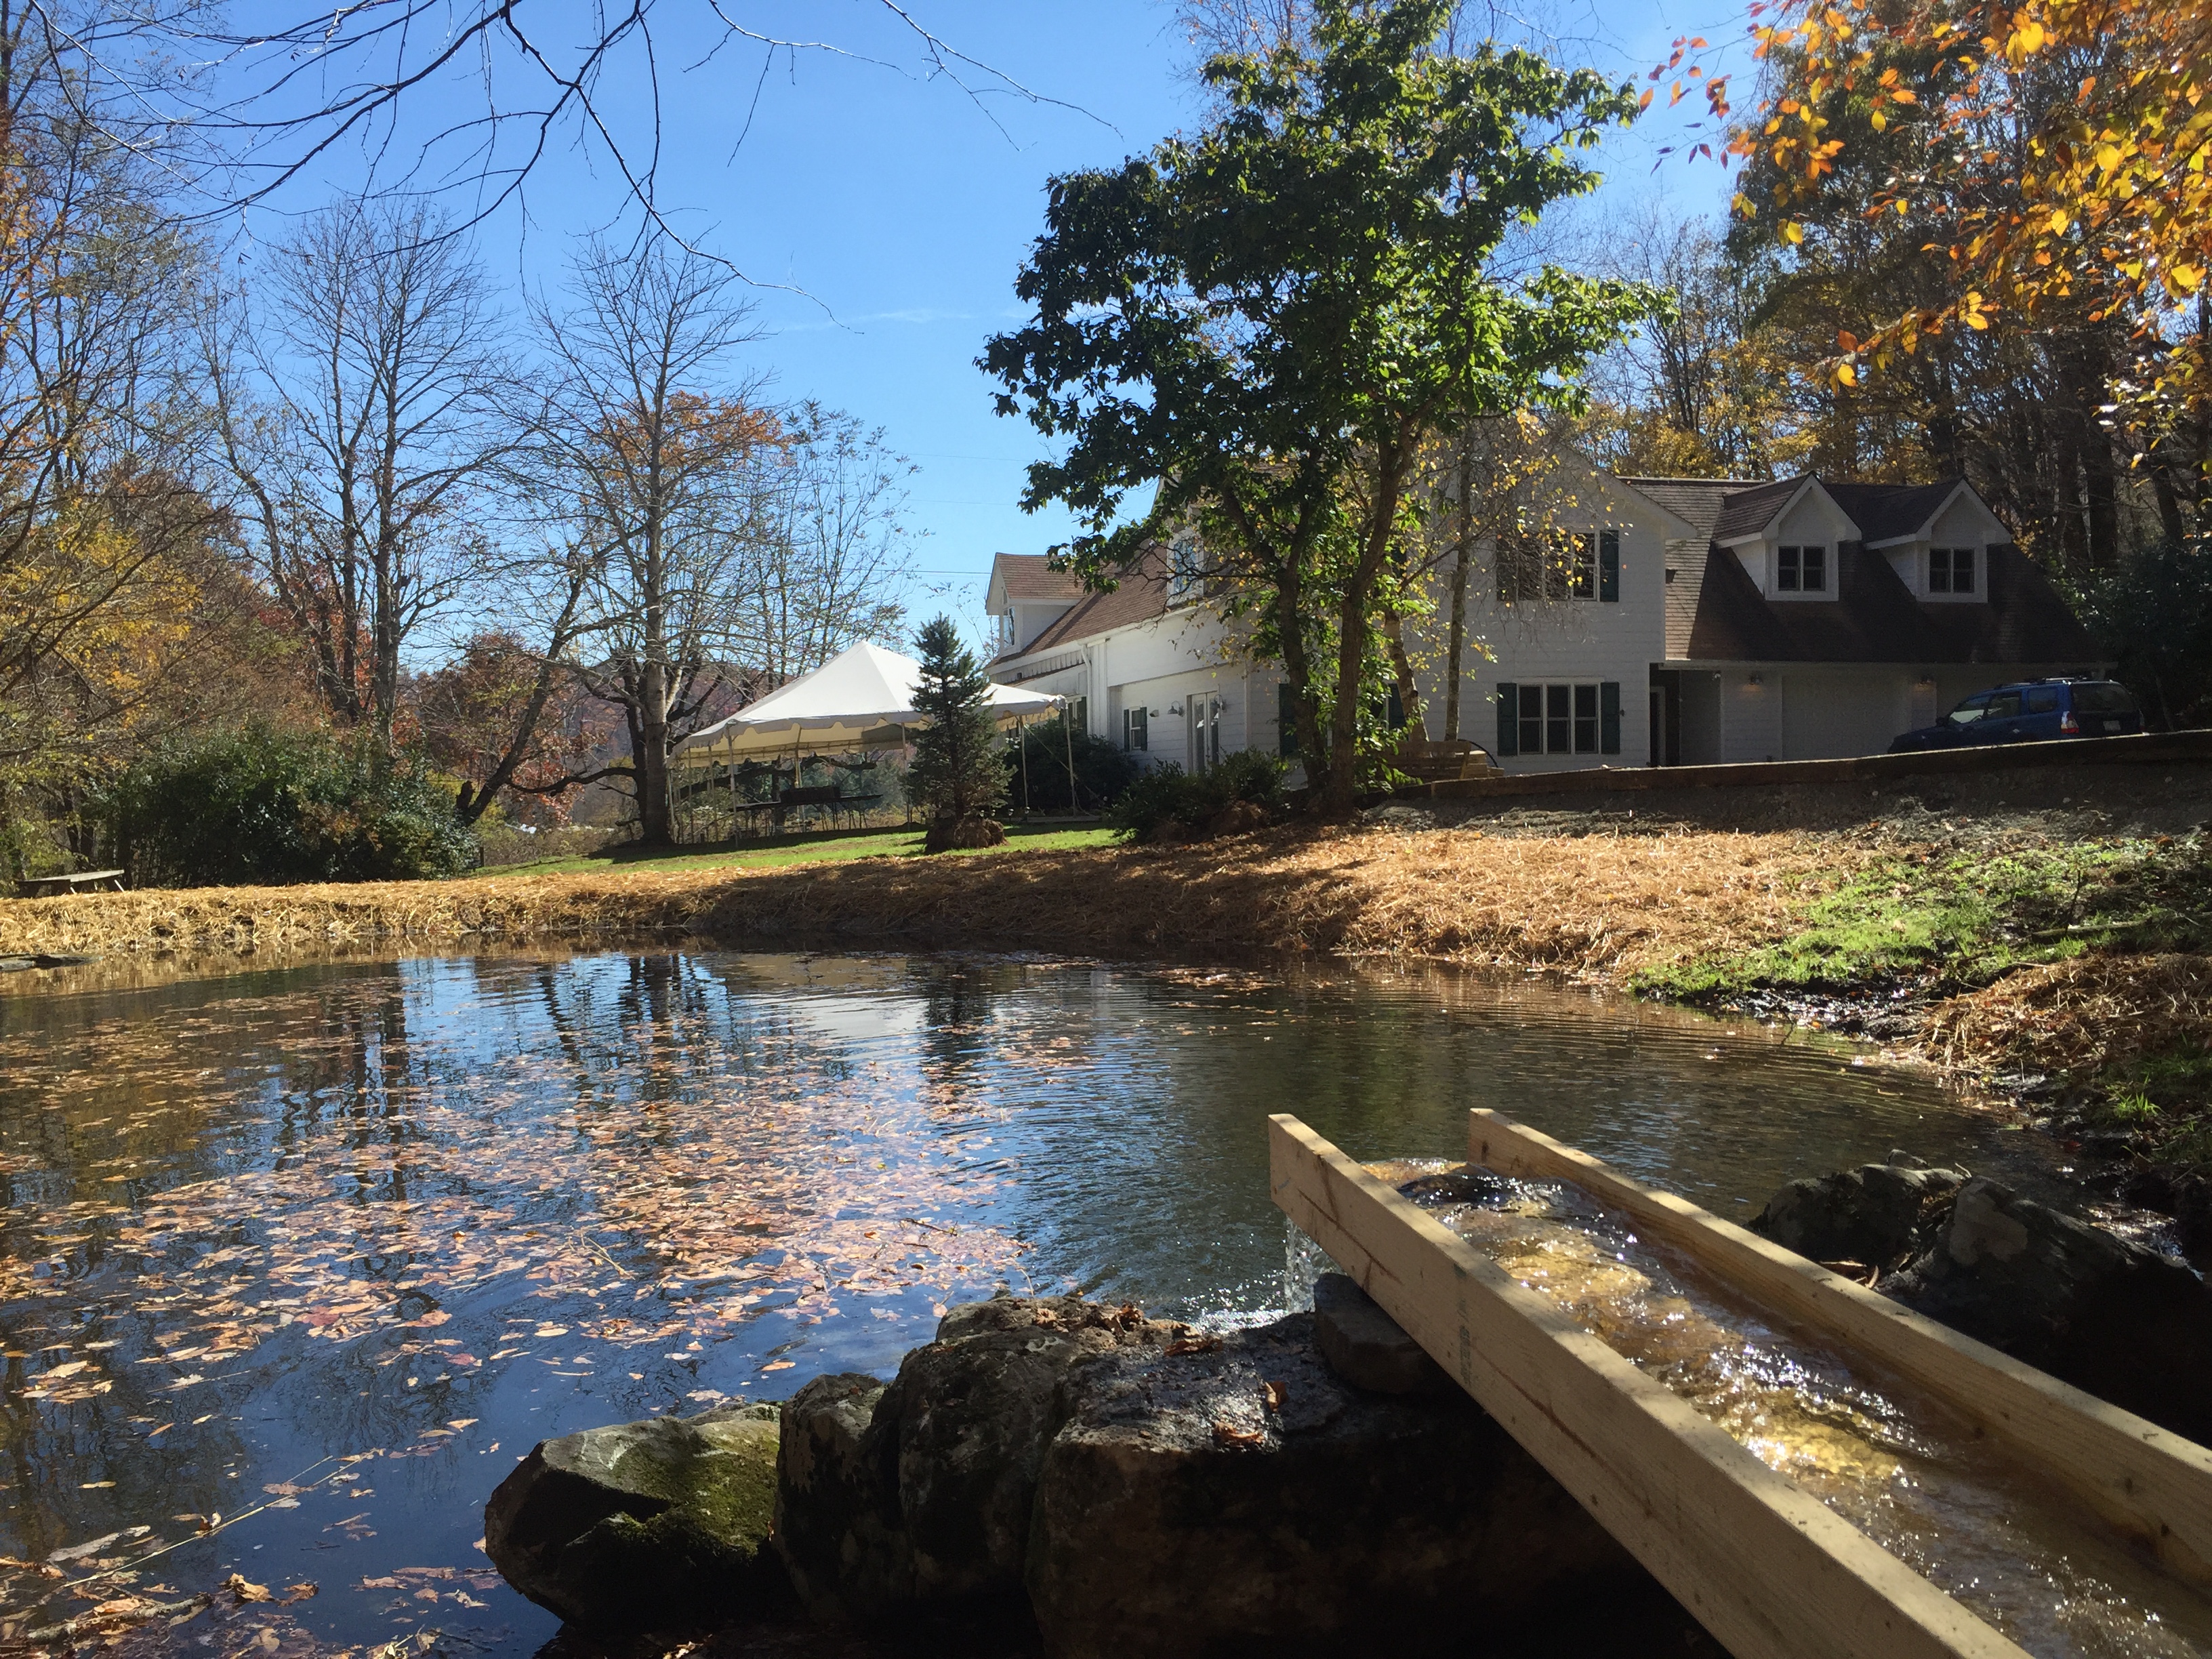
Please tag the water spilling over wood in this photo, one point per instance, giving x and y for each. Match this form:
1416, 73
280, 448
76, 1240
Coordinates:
1913, 1476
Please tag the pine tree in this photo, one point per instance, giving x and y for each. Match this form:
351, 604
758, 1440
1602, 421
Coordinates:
957, 775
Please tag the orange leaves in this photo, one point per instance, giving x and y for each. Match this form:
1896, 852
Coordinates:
2099, 190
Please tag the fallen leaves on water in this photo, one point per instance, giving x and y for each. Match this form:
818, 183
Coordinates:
238, 1586
659, 1182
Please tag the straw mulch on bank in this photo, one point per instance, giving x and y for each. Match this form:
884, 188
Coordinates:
1594, 906
2078, 1019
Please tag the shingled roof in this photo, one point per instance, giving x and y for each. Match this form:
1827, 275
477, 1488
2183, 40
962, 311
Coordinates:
1030, 576
1748, 512
1886, 513
1696, 501
1716, 613
1141, 595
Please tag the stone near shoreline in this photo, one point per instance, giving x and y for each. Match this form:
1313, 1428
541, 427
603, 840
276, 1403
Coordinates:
662, 1522
1368, 1348
919, 1493
2104, 1313
1871, 1217
1240, 1496
1052, 1469
2111, 1317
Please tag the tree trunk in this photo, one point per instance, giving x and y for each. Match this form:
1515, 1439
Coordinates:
1456, 640
1401, 672
655, 816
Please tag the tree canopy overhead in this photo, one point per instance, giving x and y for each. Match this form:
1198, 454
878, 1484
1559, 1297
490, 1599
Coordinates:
1267, 324
2061, 143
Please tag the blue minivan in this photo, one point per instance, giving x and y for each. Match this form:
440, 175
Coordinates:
2029, 712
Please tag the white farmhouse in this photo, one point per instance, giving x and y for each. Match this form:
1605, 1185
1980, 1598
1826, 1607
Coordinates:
1693, 620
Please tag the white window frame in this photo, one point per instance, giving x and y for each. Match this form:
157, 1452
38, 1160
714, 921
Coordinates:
1977, 568
1795, 585
1568, 695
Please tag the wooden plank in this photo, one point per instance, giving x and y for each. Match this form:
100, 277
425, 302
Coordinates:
2149, 1484
1771, 1571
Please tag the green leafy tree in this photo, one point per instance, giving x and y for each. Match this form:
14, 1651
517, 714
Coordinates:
1267, 325
957, 771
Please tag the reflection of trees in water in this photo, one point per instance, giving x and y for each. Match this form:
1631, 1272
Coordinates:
383, 1142
960, 1000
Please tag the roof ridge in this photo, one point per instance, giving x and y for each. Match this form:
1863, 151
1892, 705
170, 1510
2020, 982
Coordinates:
1671, 477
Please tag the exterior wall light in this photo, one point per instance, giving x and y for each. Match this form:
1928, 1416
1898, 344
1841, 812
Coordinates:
1754, 679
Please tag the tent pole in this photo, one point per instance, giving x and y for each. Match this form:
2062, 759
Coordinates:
1021, 737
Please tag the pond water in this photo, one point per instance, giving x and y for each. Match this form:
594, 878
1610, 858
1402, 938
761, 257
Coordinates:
295, 1264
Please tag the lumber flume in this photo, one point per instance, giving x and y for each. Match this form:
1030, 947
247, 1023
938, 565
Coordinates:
1810, 1469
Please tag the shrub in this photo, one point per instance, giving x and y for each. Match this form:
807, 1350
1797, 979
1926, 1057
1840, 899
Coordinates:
1167, 794
1102, 770
260, 805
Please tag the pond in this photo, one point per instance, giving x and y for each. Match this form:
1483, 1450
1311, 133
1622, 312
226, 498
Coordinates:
295, 1264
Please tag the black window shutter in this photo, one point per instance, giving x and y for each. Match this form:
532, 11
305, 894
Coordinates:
1509, 718
1608, 566
1286, 718
1608, 718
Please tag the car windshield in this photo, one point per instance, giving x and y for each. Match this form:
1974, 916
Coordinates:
2103, 699
1970, 710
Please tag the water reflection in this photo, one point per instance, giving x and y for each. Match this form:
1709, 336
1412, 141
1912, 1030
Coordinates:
419, 1214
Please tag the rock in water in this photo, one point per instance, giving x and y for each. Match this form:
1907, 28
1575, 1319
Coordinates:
644, 1525
1243, 1499
919, 1495
836, 1501
1876, 1215
1368, 1348
2105, 1314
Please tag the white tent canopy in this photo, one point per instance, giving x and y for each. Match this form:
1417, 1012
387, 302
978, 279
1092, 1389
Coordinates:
862, 698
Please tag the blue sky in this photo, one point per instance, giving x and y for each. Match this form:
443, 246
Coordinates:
898, 206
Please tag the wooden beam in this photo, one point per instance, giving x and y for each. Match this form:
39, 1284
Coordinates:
1764, 1566
2148, 1483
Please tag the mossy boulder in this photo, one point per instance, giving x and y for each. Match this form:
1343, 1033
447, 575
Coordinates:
645, 1526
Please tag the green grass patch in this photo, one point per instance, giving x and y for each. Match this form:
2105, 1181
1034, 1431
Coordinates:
825, 846
1954, 921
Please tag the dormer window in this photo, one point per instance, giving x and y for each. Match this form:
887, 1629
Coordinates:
1186, 571
1801, 570
1950, 570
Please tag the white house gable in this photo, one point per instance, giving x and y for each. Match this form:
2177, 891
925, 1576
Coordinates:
1796, 556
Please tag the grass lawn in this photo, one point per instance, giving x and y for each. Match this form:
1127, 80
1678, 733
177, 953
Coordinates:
1958, 921
820, 846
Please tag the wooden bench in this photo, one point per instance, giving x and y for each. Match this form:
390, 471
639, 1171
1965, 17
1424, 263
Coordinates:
76, 881
1440, 759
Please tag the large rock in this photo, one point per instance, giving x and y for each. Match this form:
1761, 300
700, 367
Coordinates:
1368, 1348
1876, 1215
1242, 1498
919, 1495
836, 1501
644, 1525
2103, 1313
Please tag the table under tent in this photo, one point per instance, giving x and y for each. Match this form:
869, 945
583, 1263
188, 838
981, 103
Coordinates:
845, 718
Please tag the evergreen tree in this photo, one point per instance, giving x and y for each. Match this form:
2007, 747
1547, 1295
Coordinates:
957, 774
